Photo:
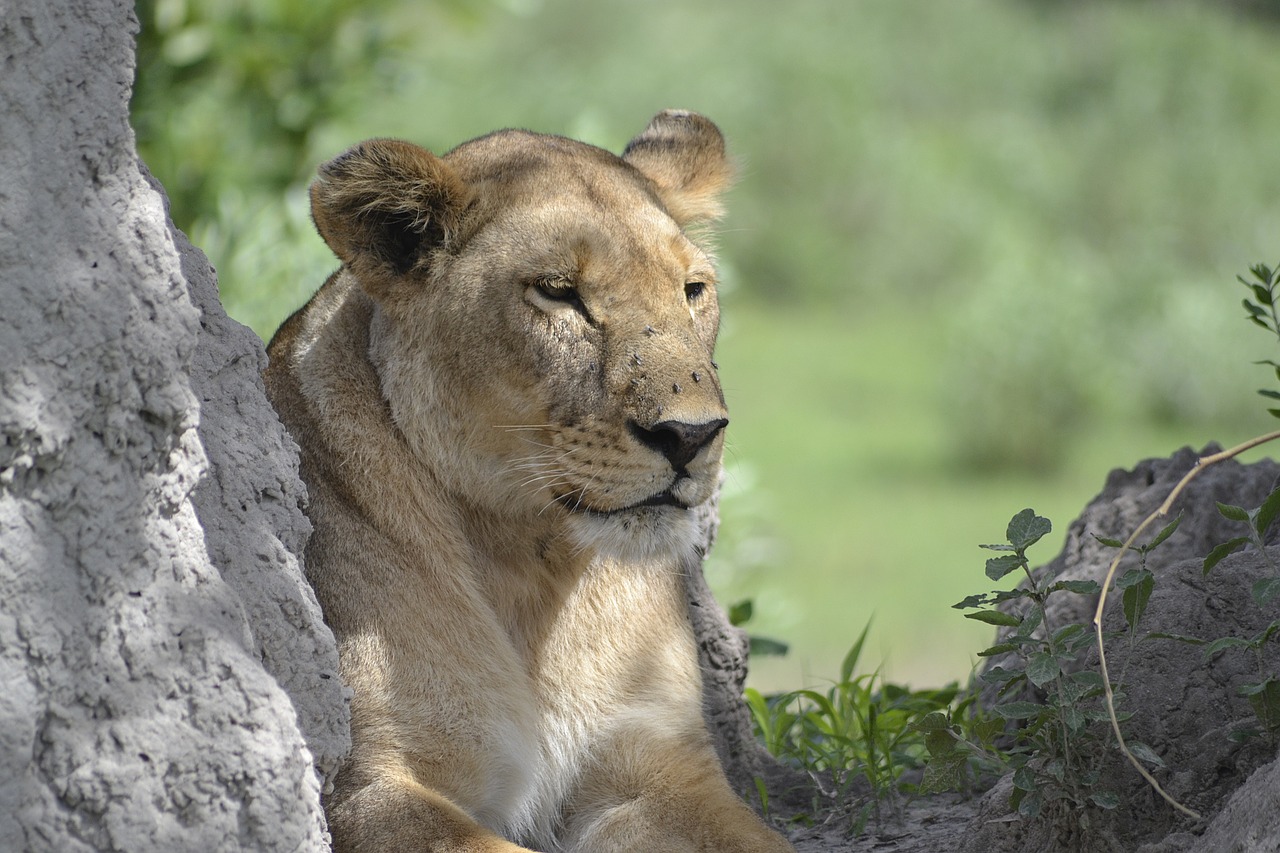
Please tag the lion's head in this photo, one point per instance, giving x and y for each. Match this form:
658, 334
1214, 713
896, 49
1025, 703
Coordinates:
545, 319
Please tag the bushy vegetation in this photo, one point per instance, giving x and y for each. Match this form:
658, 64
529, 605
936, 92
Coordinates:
1038, 710
972, 254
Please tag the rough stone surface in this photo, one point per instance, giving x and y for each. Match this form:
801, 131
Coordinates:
136, 713
250, 508
1184, 706
722, 655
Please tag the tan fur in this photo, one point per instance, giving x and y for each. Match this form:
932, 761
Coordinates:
506, 402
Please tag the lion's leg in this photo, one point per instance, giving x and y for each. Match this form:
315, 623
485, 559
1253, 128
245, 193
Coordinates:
664, 798
398, 814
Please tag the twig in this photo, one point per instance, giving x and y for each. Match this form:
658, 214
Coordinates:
1201, 463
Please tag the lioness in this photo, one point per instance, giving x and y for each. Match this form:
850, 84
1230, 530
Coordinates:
507, 407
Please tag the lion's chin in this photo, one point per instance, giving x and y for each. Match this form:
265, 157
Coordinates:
640, 533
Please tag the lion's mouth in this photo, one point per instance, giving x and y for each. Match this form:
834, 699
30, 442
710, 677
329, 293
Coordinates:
663, 498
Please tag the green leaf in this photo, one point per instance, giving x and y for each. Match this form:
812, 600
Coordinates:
1265, 699
1235, 513
1220, 553
763, 647
988, 730
1078, 587
1268, 511
1029, 808
740, 613
1024, 779
1165, 533
1030, 622
1145, 754
763, 793
1071, 691
1042, 668
1136, 597
1066, 632
998, 674
1181, 638
995, 617
931, 722
971, 601
1130, 578
1105, 799
1224, 643
1261, 293
998, 567
1264, 590
1110, 543
1265, 634
1026, 529
1267, 392
1074, 719
998, 547
1255, 313
1018, 710
1088, 677
998, 649
855, 651
1243, 734
944, 773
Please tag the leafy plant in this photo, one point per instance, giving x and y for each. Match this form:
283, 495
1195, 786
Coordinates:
1138, 584
1259, 521
860, 730
1263, 695
740, 614
1054, 744
1262, 309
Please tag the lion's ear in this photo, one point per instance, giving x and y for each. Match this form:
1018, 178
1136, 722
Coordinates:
383, 205
683, 154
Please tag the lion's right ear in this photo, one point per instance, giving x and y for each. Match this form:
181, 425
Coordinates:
384, 205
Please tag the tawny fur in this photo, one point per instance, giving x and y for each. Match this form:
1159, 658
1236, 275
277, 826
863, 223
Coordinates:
483, 395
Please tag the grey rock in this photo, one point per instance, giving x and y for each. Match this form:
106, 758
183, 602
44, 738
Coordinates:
136, 712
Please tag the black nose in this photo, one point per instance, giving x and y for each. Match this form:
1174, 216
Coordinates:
678, 441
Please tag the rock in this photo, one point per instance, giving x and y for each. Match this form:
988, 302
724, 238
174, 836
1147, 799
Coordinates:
151, 606
1187, 707
250, 508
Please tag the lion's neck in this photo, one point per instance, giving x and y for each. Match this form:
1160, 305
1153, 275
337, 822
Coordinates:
528, 568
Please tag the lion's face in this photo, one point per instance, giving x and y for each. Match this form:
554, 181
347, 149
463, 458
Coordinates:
545, 324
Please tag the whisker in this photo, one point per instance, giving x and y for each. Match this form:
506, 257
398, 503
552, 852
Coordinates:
548, 479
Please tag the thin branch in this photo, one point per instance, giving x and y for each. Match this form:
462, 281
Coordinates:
1201, 464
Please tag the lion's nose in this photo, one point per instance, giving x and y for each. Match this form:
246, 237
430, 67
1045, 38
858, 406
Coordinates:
678, 441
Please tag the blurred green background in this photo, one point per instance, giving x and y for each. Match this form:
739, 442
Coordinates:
981, 252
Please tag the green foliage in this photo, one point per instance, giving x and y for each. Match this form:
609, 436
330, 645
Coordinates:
1054, 744
739, 615
1263, 695
230, 92
1261, 310
860, 728
1258, 521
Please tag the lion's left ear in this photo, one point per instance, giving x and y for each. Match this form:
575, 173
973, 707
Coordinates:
683, 154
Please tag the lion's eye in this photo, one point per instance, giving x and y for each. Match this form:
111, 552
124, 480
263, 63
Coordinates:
694, 289
558, 292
